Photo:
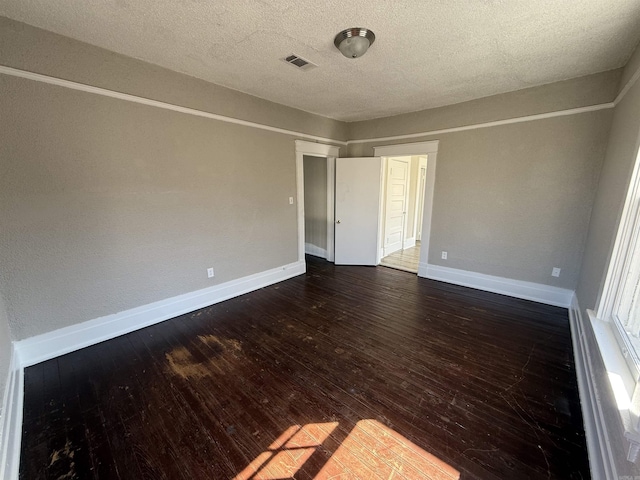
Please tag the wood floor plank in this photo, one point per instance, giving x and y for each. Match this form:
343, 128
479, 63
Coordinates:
358, 372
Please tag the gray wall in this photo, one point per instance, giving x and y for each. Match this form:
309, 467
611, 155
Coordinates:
630, 68
106, 205
607, 210
611, 193
514, 200
578, 92
315, 201
25, 47
98, 194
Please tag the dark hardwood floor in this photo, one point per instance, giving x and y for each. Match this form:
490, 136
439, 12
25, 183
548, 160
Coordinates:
345, 372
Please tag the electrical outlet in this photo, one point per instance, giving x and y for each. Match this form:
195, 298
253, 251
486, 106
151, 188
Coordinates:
210, 272
444, 255
290, 200
555, 272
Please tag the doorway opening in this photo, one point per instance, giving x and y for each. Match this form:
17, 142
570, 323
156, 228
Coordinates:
355, 204
415, 245
315, 206
315, 173
403, 208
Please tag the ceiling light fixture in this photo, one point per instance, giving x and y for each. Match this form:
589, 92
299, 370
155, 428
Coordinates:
354, 42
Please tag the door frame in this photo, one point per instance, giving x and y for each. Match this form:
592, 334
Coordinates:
430, 149
422, 163
330, 152
385, 194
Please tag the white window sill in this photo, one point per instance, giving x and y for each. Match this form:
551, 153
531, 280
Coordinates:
623, 384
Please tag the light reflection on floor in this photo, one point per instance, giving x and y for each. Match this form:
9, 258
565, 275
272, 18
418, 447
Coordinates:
407, 259
371, 450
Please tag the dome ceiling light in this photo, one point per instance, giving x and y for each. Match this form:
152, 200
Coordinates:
354, 42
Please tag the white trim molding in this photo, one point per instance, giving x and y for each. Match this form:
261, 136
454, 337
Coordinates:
409, 243
623, 387
508, 121
14, 72
317, 149
59, 342
627, 87
11, 419
331, 208
537, 292
406, 149
622, 253
65, 340
497, 123
601, 460
330, 152
311, 249
430, 150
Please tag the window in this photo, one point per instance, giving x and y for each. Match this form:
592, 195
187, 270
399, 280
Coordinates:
619, 307
620, 301
625, 315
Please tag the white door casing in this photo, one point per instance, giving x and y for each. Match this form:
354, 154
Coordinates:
330, 152
420, 192
396, 204
430, 149
358, 198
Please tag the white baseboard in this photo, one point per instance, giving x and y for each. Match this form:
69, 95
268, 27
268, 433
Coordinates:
559, 297
11, 420
311, 249
598, 447
422, 269
59, 342
410, 242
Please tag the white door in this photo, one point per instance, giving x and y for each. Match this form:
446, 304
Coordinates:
358, 196
395, 223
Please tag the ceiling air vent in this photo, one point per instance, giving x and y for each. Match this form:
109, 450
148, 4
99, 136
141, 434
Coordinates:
299, 62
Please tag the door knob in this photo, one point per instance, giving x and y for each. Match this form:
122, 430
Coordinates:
338, 221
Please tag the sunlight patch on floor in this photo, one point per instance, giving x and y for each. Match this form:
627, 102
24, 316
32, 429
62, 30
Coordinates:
370, 450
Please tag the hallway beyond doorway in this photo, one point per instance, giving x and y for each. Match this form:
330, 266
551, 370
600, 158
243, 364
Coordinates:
407, 259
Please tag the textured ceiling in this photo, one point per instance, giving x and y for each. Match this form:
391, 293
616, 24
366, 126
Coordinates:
426, 54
